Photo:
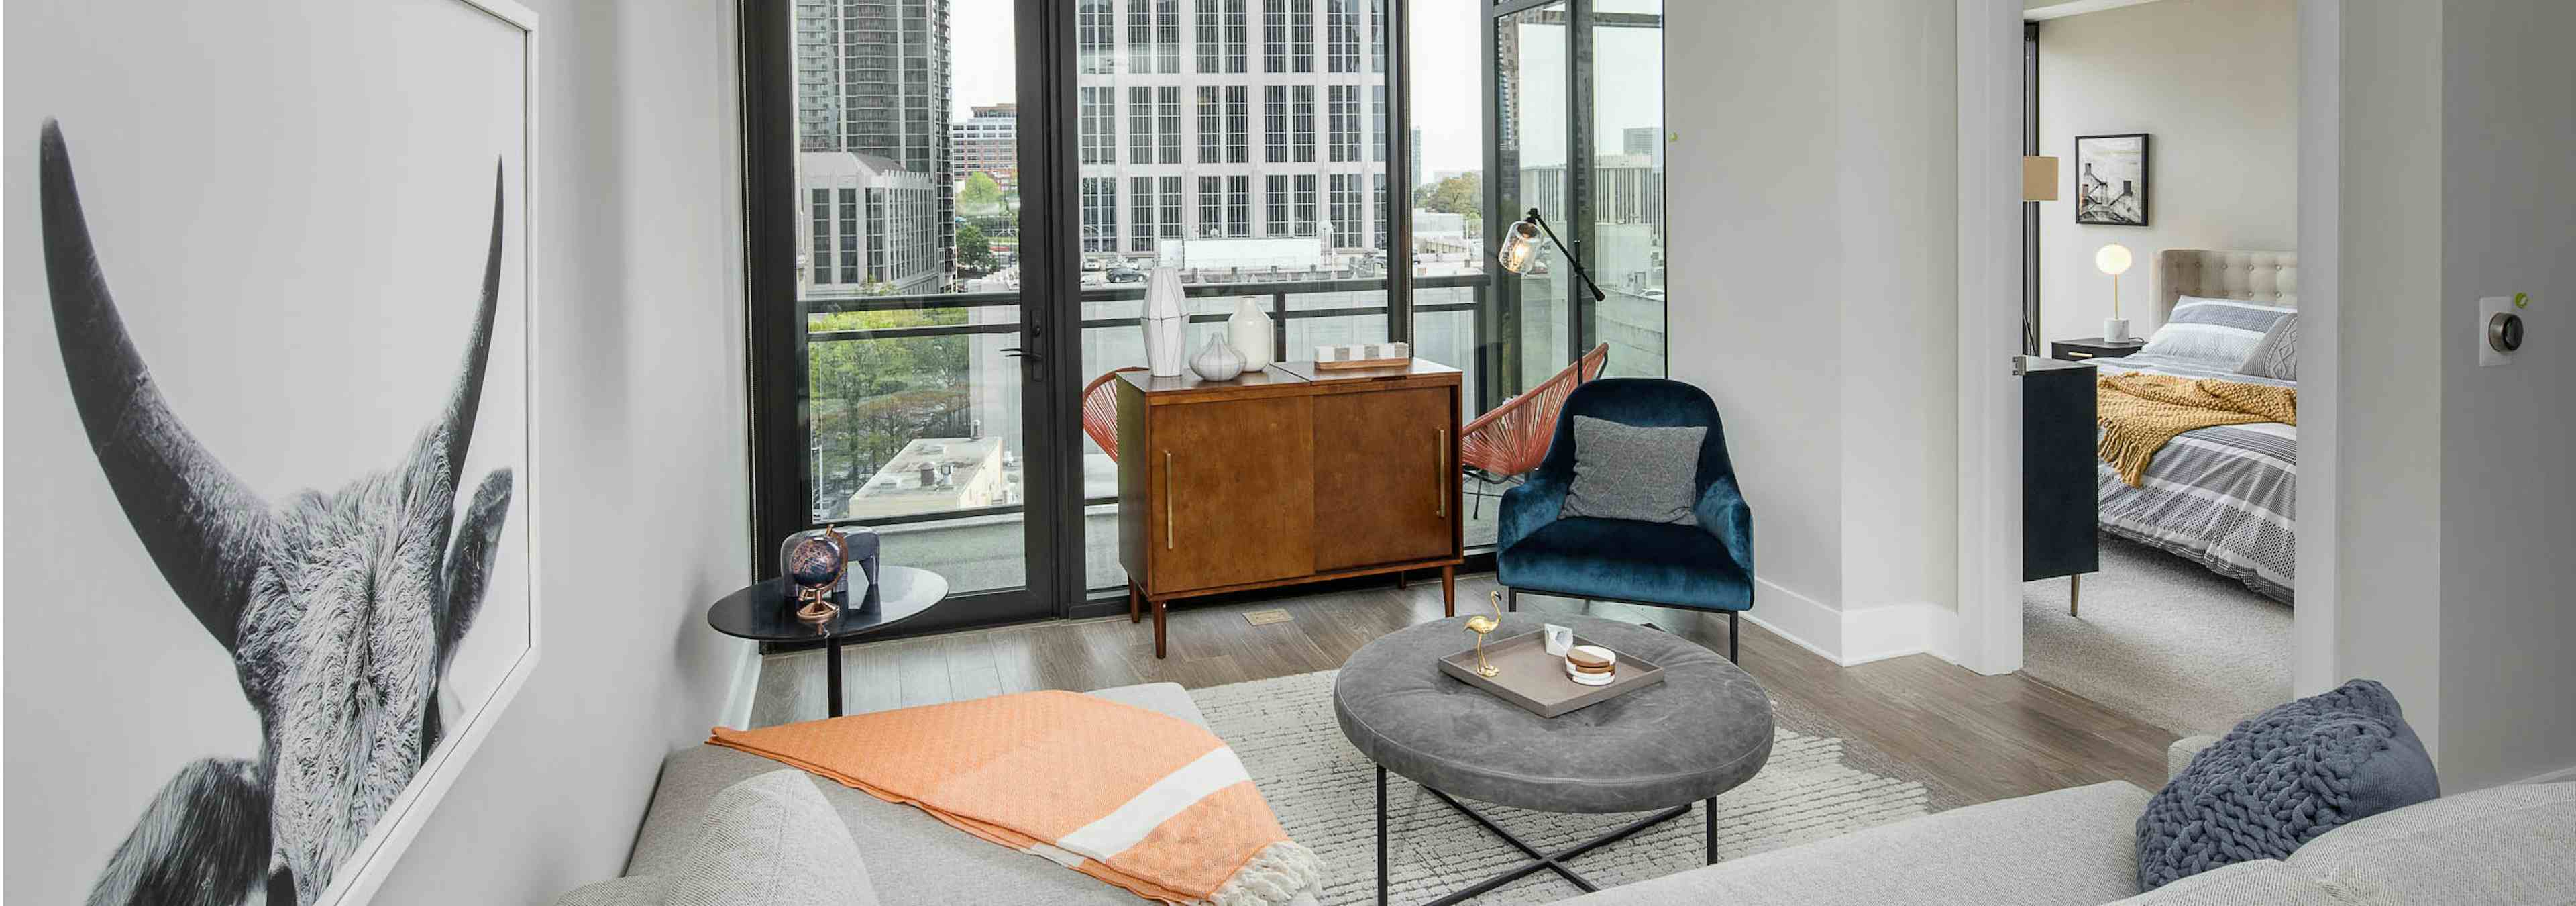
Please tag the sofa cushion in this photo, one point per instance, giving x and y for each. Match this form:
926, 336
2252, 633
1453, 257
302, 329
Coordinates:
2507, 844
2264, 881
2070, 846
616, 892
917, 858
2281, 779
769, 841
1644, 474
1627, 561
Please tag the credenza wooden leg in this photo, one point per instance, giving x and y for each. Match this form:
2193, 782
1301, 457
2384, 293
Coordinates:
1135, 603
1399, 580
1449, 591
1158, 630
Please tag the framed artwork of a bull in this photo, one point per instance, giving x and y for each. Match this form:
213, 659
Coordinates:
272, 467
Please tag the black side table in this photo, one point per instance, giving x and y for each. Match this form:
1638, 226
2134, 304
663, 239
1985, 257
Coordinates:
2078, 350
766, 612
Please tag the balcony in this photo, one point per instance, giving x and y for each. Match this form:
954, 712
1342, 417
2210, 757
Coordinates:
915, 409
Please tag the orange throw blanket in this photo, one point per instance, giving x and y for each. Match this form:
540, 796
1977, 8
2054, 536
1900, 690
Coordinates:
1139, 799
2139, 413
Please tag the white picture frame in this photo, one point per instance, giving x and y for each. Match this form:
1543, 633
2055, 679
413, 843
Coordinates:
365, 871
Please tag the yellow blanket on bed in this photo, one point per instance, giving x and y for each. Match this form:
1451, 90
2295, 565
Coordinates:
2139, 413
1135, 798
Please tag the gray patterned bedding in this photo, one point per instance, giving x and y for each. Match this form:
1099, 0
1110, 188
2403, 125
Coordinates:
2226, 497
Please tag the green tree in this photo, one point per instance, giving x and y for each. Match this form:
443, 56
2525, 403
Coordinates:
974, 249
872, 395
1460, 194
981, 195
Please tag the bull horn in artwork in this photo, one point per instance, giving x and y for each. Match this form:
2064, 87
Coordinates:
201, 525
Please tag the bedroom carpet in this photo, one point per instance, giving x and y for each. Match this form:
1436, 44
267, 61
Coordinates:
2160, 639
1325, 794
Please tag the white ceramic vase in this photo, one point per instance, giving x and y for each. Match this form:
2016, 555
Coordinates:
2115, 330
1218, 362
1164, 319
1249, 333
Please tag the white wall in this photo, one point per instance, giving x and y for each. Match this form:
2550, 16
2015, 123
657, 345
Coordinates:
2508, 517
1813, 291
646, 495
2215, 85
2455, 518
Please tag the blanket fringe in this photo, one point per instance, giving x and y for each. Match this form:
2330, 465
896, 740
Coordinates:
1275, 876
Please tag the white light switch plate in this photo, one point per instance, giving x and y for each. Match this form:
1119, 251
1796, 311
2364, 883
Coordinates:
2489, 307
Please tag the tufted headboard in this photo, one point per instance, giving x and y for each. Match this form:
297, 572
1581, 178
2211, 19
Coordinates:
2271, 278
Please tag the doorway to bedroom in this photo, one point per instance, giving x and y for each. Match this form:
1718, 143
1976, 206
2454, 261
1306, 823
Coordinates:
2160, 291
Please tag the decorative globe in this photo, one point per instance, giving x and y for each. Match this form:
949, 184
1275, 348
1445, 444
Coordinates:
814, 559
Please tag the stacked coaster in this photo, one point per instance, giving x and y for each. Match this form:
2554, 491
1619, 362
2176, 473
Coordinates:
1591, 665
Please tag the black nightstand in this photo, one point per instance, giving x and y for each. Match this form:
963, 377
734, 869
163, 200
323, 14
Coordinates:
2092, 348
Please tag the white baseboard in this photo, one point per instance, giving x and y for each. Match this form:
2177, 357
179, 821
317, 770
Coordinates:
1895, 630
1798, 618
746, 686
1857, 636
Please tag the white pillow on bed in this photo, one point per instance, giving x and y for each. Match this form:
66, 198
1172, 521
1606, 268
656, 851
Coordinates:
2220, 332
2278, 355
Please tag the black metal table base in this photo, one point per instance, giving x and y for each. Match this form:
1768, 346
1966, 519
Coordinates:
1539, 861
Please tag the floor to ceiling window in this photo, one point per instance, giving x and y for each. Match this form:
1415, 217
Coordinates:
949, 241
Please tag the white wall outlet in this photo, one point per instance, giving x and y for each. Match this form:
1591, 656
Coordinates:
2489, 309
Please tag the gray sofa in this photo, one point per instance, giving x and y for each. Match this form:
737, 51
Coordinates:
910, 857
2514, 844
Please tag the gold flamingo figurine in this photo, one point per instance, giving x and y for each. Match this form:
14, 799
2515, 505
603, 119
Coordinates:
1483, 626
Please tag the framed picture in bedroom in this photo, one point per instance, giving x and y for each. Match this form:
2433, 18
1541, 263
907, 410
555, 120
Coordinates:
2111, 173
272, 434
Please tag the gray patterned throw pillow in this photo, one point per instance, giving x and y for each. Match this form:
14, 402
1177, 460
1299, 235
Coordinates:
1629, 472
2282, 779
2278, 355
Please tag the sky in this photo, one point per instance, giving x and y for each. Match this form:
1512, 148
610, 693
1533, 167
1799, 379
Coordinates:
1448, 103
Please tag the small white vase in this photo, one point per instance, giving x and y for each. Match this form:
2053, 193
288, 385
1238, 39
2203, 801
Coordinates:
2115, 330
1163, 321
1249, 333
1218, 362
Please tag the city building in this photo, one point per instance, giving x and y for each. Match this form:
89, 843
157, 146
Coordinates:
866, 226
1232, 119
872, 79
987, 142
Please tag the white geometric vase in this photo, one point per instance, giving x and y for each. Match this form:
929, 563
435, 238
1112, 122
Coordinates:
1164, 321
1249, 333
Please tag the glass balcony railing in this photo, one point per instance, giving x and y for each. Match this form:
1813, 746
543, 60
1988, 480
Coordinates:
914, 405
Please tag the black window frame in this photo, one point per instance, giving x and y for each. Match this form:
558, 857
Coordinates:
1053, 37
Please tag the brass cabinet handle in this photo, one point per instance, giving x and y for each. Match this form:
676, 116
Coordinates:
2072, 354
1439, 480
1167, 500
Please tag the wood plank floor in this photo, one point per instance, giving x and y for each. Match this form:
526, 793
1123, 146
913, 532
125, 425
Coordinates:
1988, 737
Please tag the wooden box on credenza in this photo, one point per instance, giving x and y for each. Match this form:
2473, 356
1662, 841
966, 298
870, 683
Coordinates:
1285, 476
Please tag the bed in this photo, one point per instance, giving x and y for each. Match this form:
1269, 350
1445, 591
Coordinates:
2225, 497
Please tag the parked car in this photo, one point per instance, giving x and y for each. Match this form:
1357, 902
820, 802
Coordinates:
1126, 275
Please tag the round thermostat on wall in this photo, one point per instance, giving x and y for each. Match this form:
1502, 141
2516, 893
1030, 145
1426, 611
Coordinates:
2504, 332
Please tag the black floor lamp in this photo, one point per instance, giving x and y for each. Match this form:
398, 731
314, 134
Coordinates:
1520, 250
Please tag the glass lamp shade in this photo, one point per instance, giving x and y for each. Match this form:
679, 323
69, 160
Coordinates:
1520, 248
2113, 259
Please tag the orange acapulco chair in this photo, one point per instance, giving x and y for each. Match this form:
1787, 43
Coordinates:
1100, 412
1502, 445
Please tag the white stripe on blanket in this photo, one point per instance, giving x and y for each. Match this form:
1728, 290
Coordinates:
1169, 796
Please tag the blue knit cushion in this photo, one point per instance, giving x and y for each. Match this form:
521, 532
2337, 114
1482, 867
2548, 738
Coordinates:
2283, 778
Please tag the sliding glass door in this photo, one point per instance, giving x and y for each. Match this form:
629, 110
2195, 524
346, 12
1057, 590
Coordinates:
899, 371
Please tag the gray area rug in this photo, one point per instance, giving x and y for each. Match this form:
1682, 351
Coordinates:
1325, 794
2160, 639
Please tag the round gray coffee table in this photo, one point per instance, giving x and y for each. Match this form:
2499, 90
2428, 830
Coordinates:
1705, 729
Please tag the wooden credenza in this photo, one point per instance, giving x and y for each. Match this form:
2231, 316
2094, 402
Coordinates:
1285, 476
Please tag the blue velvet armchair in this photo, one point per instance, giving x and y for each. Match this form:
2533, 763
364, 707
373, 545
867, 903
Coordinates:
1708, 566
